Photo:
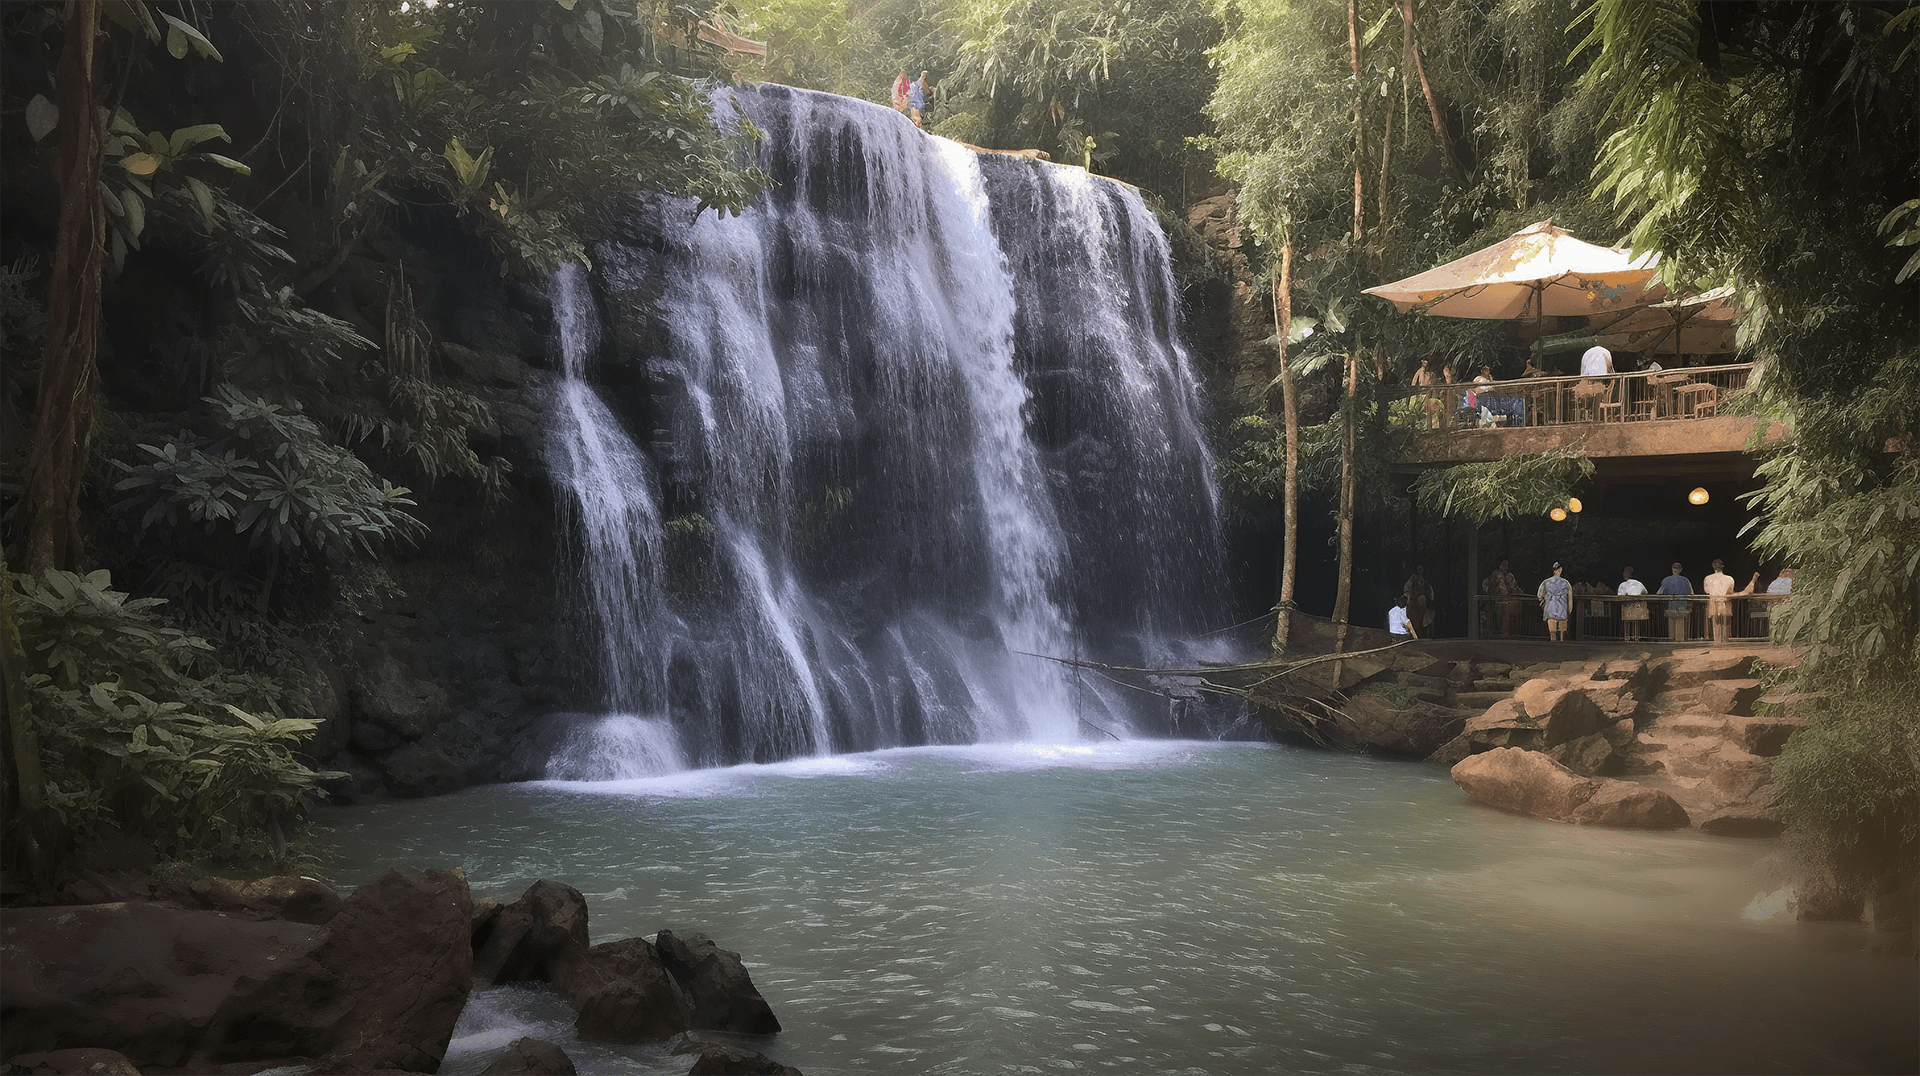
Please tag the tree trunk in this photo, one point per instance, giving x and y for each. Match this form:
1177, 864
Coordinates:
1290, 416
24, 793
64, 411
1342, 601
1359, 132
1411, 42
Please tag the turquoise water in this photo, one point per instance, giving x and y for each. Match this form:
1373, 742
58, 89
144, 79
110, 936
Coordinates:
1167, 907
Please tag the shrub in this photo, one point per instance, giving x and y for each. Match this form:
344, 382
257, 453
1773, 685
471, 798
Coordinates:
132, 737
1850, 780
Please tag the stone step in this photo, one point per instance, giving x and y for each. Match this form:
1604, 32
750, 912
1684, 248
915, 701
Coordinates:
1500, 684
1479, 700
1683, 724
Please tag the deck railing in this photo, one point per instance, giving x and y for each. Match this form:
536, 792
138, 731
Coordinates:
1609, 617
1642, 396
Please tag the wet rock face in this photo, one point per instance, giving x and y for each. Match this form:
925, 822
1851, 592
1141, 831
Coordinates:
532, 1057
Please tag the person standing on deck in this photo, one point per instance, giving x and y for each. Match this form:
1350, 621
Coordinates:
1556, 600
1419, 595
1719, 591
1679, 588
1504, 589
1633, 615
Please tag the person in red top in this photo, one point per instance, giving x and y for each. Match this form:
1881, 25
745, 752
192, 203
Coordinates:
900, 87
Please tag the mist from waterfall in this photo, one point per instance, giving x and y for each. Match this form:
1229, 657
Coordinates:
840, 464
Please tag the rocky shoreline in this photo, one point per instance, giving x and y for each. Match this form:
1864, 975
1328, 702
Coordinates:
1623, 736
230, 978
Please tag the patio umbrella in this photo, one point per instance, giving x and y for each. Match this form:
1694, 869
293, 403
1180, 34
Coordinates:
1693, 325
1538, 271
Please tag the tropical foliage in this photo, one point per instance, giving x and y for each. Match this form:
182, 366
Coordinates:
138, 732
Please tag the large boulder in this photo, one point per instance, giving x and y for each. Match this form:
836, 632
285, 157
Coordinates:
527, 940
1562, 713
414, 770
723, 995
1504, 724
1742, 820
1525, 782
1624, 803
139, 979
623, 992
381, 992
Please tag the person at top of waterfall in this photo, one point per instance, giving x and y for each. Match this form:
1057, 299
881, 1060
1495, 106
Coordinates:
917, 99
900, 89
1556, 599
1633, 615
1399, 622
1424, 375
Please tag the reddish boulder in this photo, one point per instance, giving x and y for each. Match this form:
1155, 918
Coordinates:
1763, 736
1730, 696
1691, 668
1624, 803
1526, 782
1589, 756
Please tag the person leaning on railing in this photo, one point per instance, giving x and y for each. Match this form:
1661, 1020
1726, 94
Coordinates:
1680, 589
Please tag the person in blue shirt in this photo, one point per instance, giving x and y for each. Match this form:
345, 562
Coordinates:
917, 98
1679, 588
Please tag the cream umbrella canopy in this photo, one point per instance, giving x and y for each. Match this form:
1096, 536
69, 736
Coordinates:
1701, 324
1538, 271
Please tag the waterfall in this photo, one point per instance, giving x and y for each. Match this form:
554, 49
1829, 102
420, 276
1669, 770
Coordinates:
840, 463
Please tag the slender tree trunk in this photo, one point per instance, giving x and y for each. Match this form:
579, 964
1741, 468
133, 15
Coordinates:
64, 411
1342, 602
1386, 161
1290, 416
1359, 132
24, 798
1411, 42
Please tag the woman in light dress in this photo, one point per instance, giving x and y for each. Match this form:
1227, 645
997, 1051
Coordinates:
1556, 595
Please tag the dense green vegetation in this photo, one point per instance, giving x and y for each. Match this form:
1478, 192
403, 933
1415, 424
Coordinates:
259, 454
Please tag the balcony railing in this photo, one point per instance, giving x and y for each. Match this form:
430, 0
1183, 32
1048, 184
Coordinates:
1654, 618
1643, 396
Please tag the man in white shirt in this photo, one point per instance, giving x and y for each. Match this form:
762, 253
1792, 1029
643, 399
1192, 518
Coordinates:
1596, 361
1398, 623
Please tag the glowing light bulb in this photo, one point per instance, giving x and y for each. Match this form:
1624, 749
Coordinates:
1573, 505
1558, 513
1698, 496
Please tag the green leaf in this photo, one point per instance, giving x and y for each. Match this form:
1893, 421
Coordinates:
228, 163
42, 117
203, 197
185, 35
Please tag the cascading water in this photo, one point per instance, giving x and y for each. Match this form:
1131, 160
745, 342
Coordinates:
841, 463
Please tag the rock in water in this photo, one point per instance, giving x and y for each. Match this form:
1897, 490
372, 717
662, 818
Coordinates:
724, 997
1527, 782
532, 1057
381, 992
526, 940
